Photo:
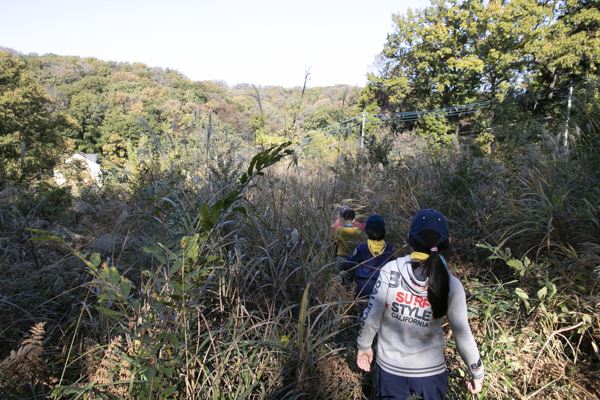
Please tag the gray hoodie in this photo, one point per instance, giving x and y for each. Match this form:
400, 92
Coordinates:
410, 342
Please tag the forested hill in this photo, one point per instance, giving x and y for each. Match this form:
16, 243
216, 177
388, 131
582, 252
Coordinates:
104, 106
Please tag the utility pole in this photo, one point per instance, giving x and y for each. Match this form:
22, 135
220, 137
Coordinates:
362, 129
566, 135
208, 135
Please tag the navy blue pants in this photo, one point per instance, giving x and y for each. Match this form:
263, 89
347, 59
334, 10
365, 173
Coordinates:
394, 387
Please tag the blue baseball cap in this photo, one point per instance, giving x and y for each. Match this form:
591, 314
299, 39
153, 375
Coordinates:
375, 222
429, 219
375, 227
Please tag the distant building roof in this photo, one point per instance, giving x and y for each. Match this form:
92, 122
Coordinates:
90, 157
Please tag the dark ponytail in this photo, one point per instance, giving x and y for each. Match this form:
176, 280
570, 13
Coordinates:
438, 285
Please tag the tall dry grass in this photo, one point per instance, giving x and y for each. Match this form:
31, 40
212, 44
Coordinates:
163, 285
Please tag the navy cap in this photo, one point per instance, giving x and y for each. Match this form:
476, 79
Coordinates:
429, 220
375, 222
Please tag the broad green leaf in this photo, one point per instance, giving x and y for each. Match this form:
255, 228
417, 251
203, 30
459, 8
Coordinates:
542, 292
95, 259
521, 293
551, 289
157, 253
516, 264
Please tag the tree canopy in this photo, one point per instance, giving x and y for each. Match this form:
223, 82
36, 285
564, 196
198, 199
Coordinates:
459, 51
30, 133
51, 105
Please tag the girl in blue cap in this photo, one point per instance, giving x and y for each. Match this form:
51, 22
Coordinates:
406, 311
368, 258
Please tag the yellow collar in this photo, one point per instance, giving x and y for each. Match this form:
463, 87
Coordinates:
376, 246
418, 256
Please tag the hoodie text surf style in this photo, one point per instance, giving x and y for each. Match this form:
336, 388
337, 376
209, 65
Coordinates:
410, 342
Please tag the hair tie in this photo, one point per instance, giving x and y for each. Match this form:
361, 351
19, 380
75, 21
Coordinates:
434, 249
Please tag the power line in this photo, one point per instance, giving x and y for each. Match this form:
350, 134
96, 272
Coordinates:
410, 116
351, 123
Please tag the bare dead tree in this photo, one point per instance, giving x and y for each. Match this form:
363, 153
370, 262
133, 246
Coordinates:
256, 96
344, 96
306, 75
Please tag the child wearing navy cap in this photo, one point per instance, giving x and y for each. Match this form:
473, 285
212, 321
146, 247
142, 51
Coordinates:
411, 301
368, 258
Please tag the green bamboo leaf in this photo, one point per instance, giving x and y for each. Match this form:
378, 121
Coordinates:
47, 238
110, 313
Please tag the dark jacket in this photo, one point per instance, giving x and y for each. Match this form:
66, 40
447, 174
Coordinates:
367, 266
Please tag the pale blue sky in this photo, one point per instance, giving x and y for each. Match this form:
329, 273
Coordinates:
260, 42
